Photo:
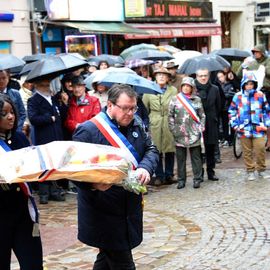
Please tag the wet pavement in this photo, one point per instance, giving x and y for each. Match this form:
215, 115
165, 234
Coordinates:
224, 225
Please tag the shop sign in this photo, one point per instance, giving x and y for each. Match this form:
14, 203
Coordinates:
157, 10
135, 8
6, 17
180, 31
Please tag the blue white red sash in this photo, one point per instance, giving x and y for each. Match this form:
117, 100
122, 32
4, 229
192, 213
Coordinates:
188, 106
190, 109
33, 211
115, 137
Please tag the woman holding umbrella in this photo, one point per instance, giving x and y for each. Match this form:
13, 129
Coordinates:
158, 108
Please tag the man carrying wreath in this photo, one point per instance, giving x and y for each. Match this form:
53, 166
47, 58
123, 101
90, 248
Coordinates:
109, 217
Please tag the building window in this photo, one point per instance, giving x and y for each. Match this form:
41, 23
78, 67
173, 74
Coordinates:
5, 47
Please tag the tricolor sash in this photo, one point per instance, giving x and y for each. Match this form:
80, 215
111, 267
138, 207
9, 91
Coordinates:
188, 106
32, 207
190, 109
115, 137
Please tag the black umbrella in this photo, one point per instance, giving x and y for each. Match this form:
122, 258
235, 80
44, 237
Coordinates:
28, 67
210, 61
232, 54
55, 65
35, 57
149, 54
9, 61
109, 58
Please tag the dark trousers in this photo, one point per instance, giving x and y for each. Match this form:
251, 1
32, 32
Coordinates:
210, 159
114, 260
169, 165
196, 162
16, 235
227, 131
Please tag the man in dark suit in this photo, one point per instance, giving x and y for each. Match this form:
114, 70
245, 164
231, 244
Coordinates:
45, 118
109, 217
210, 97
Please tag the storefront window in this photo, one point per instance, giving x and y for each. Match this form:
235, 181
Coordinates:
86, 45
5, 47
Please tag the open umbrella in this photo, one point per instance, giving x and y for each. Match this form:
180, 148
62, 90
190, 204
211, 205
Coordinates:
232, 54
111, 59
55, 65
35, 57
169, 48
98, 75
28, 67
182, 56
211, 62
154, 55
123, 76
143, 46
138, 63
8, 61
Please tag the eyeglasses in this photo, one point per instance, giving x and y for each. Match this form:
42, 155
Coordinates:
203, 75
127, 109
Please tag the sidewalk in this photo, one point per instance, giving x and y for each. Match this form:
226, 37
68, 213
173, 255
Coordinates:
224, 225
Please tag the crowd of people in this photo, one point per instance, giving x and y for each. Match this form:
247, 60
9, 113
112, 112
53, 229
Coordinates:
197, 113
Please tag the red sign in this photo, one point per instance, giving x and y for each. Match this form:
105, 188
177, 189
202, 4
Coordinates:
171, 30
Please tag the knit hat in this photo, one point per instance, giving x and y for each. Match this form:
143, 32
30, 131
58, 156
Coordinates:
188, 81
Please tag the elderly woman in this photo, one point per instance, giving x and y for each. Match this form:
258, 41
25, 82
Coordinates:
186, 122
158, 108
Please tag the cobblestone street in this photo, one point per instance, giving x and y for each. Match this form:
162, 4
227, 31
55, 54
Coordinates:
224, 225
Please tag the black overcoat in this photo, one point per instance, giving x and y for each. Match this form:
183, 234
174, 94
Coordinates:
212, 107
40, 113
112, 219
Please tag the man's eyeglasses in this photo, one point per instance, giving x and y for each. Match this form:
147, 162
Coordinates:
127, 109
203, 75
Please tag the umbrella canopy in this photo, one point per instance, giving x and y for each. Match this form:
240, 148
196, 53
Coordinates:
169, 48
9, 61
111, 59
35, 57
127, 76
28, 67
181, 57
211, 62
232, 54
143, 46
138, 63
98, 75
154, 55
55, 65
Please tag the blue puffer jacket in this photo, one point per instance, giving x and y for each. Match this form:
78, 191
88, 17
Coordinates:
112, 219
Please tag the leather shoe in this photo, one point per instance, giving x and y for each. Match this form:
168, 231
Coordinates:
169, 180
157, 182
181, 185
213, 178
60, 197
196, 183
43, 199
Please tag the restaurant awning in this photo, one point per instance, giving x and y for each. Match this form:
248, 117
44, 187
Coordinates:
171, 30
111, 28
